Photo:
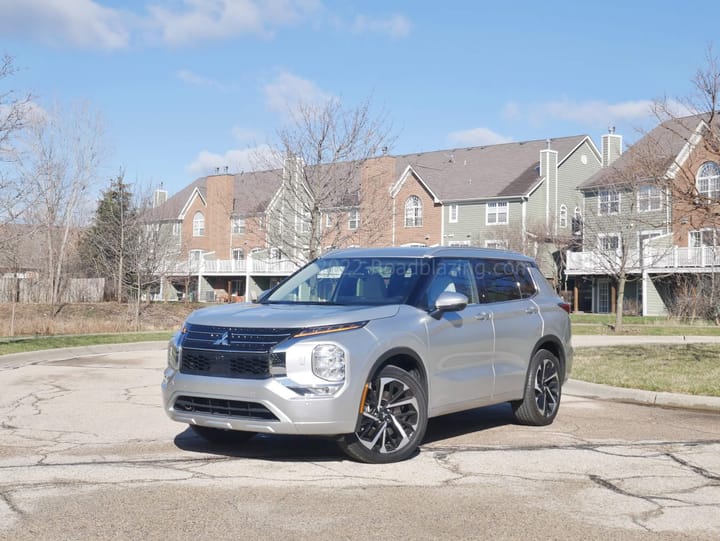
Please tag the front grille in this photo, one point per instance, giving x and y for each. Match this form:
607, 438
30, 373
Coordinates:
232, 352
227, 408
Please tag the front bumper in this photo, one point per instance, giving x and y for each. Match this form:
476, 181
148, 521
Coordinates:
293, 413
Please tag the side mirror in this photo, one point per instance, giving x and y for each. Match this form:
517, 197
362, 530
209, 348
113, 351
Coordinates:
449, 301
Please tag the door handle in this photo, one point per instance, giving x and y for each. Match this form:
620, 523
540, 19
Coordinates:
483, 316
532, 310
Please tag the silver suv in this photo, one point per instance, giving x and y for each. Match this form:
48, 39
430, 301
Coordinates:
367, 344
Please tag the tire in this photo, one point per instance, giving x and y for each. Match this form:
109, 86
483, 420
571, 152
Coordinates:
393, 419
222, 436
543, 390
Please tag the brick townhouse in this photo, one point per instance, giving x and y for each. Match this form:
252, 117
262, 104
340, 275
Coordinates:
523, 196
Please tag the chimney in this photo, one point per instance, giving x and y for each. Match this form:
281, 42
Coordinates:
611, 147
159, 197
549, 172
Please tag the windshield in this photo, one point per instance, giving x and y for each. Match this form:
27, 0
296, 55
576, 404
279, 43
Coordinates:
376, 281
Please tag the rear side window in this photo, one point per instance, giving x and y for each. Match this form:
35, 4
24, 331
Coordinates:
501, 280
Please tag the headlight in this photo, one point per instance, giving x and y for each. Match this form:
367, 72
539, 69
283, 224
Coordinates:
328, 362
172, 355
173, 352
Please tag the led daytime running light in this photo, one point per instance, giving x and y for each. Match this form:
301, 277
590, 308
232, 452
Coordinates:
326, 329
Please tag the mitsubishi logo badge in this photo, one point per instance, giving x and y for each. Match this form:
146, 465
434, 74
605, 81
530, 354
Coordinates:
223, 340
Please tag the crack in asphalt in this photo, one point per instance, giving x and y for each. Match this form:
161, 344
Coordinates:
442, 456
697, 469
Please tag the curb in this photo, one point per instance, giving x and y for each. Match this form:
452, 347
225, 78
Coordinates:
597, 391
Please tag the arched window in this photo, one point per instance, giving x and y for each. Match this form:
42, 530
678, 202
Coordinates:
708, 180
563, 216
198, 224
413, 211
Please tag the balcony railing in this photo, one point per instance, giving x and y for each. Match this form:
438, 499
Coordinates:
651, 259
231, 267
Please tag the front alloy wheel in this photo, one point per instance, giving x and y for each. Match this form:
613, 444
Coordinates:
393, 419
543, 389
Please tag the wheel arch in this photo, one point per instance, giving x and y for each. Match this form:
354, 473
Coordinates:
555, 346
405, 358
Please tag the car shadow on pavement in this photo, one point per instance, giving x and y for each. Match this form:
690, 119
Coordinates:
467, 422
280, 447
277, 447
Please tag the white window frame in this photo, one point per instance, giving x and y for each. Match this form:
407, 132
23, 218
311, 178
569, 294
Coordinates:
237, 226
494, 211
563, 218
609, 202
196, 255
453, 213
698, 238
198, 224
651, 201
176, 229
237, 251
707, 181
458, 243
413, 211
497, 244
353, 219
602, 238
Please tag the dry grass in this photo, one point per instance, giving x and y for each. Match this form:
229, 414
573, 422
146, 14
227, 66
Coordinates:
106, 317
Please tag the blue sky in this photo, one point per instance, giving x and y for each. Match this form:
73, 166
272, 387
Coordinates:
185, 86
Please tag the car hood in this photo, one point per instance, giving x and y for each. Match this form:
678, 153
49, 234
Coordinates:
287, 315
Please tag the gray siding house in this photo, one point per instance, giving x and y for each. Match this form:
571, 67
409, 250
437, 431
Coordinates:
650, 223
521, 196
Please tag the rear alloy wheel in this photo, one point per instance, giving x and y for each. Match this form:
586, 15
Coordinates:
393, 419
220, 435
543, 389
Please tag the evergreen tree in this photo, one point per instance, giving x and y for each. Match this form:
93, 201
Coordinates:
112, 239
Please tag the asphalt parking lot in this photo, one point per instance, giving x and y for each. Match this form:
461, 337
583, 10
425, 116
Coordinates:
86, 452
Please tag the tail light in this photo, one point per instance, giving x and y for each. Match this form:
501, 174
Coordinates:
565, 306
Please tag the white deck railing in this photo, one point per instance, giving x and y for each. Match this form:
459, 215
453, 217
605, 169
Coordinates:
653, 259
232, 267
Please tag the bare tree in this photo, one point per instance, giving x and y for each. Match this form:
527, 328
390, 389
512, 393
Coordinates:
14, 113
329, 187
626, 213
59, 161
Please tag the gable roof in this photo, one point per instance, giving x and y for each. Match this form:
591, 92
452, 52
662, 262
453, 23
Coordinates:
252, 192
654, 155
484, 172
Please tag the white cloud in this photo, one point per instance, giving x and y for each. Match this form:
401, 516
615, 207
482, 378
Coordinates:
287, 91
80, 23
194, 79
396, 26
236, 160
205, 20
477, 137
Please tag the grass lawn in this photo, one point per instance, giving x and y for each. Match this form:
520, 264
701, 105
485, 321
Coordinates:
21, 345
682, 368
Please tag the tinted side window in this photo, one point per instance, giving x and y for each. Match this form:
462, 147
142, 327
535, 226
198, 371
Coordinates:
450, 275
525, 281
497, 280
